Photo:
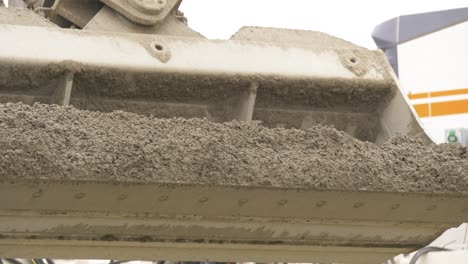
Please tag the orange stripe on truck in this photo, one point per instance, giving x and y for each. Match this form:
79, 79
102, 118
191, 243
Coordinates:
442, 108
438, 93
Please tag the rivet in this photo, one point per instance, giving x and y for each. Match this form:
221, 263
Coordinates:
432, 207
203, 199
282, 202
243, 201
37, 194
395, 206
122, 196
321, 203
163, 198
357, 205
80, 195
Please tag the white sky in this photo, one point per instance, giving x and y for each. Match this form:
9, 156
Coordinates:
350, 20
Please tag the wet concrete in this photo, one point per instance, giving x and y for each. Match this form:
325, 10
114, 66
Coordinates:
63, 143
24, 17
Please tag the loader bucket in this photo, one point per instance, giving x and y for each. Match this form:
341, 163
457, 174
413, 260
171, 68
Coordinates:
281, 78
285, 78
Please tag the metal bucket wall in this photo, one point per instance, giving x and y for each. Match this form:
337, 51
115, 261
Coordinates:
293, 86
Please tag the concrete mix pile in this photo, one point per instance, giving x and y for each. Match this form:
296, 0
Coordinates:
64, 143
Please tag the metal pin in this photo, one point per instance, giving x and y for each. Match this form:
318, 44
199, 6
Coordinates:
247, 103
64, 87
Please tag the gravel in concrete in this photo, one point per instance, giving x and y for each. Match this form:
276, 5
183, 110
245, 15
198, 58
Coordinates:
63, 143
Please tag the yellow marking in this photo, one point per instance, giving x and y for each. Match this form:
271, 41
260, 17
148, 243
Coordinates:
437, 94
442, 108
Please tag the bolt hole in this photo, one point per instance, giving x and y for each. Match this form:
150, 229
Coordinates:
158, 47
353, 60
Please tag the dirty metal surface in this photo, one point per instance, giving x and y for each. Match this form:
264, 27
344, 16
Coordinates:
223, 223
77, 12
298, 85
192, 77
